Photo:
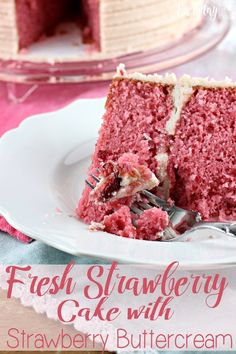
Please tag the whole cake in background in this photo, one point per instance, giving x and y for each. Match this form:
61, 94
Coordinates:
115, 26
174, 137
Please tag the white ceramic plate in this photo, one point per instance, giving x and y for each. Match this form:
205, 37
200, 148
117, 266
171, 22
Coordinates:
43, 167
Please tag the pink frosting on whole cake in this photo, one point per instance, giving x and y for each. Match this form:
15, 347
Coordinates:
203, 158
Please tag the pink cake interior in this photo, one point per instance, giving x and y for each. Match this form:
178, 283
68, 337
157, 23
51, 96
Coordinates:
40, 17
120, 223
37, 17
203, 160
147, 227
145, 106
92, 19
151, 223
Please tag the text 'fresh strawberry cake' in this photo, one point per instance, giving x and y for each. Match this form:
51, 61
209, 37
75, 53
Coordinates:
176, 138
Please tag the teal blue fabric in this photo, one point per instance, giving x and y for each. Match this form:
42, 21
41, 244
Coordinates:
13, 251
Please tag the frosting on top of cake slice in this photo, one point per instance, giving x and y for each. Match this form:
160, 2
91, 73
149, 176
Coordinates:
168, 79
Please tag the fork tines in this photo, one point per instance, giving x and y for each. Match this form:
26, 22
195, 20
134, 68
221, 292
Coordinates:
96, 179
89, 184
139, 207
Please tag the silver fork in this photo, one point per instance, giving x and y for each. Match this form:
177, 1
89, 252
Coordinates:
182, 222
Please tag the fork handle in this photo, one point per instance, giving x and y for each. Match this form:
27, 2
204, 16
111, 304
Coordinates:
227, 227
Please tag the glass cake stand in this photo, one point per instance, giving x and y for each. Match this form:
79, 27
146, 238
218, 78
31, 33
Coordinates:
45, 62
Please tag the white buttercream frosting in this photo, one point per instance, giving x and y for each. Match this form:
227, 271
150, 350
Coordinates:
127, 181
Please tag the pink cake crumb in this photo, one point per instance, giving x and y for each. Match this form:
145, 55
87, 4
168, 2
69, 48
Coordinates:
146, 227
120, 223
37, 19
151, 223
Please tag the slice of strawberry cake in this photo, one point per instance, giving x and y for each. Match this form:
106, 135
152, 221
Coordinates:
175, 138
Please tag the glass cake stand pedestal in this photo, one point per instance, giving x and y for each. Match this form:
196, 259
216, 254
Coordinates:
45, 63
